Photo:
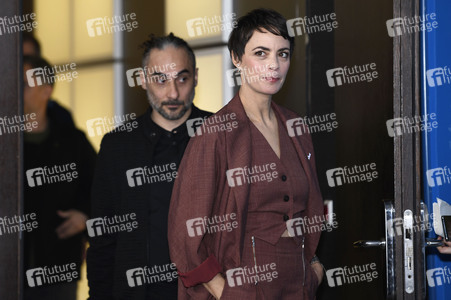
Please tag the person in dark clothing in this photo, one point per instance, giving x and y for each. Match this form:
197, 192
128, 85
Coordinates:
59, 166
128, 257
32, 47
59, 113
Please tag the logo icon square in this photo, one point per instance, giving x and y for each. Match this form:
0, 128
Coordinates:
235, 177
194, 126
335, 77
335, 177
335, 277
35, 277
135, 277
95, 27
394, 27
195, 27
295, 26
235, 277
196, 227
35, 177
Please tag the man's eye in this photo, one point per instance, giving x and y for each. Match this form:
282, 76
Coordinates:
160, 79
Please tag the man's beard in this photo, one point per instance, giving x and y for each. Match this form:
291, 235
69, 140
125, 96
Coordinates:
160, 107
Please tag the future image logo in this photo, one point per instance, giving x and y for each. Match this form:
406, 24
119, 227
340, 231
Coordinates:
347, 75
212, 124
108, 25
148, 275
100, 126
111, 225
51, 275
305, 225
407, 25
438, 276
214, 24
408, 125
258, 173
200, 226
309, 125
310, 25
148, 175
347, 275
53, 174
353, 174
251, 275
14, 24
46, 75
438, 176
438, 76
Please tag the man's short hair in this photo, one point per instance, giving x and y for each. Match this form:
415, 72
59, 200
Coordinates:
39, 62
28, 37
161, 42
258, 19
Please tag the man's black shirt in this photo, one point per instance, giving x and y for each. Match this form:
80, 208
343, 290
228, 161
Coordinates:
168, 153
116, 193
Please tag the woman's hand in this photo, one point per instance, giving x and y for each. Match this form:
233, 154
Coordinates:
446, 248
319, 271
216, 286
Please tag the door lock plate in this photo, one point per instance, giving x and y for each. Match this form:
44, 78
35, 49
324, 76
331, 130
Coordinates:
408, 252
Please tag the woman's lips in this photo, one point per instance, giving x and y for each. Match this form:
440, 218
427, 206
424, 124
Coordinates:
271, 79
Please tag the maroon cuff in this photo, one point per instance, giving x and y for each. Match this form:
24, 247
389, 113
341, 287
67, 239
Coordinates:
201, 274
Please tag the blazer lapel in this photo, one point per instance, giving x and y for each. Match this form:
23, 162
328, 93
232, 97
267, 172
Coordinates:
300, 143
239, 155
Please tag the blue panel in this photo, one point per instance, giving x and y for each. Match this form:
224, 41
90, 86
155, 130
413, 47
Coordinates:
436, 98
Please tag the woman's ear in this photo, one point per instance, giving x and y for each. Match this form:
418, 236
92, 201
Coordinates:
236, 62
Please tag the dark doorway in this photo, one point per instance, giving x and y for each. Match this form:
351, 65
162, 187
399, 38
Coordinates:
360, 45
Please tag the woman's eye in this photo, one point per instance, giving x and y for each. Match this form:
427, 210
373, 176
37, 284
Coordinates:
260, 53
284, 54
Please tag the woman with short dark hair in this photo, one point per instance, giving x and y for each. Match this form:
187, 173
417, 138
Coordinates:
247, 200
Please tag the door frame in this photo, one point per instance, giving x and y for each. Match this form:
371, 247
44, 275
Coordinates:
407, 147
11, 158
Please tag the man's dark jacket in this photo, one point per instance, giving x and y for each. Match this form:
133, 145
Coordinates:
64, 145
111, 255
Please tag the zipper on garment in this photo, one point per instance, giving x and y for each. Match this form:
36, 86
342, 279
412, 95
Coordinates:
303, 261
255, 259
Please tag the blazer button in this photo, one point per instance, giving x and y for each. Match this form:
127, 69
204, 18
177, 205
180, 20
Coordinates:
284, 178
286, 218
286, 198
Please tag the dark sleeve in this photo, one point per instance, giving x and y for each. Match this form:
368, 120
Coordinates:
87, 163
100, 256
59, 113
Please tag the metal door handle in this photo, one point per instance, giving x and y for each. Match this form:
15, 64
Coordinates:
387, 244
433, 243
367, 244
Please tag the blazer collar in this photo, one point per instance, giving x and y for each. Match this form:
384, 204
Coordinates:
239, 141
239, 154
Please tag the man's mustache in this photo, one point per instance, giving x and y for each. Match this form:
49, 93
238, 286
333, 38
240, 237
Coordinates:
172, 102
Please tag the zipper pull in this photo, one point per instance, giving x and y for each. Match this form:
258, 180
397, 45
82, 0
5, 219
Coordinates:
255, 259
303, 260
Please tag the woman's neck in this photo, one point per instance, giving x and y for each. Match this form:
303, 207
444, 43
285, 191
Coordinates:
257, 106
